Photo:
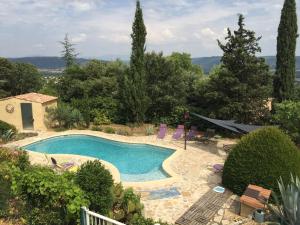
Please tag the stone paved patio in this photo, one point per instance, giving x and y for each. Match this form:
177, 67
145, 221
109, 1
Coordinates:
193, 169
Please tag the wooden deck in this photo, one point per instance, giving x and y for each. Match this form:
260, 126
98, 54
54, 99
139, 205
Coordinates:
204, 209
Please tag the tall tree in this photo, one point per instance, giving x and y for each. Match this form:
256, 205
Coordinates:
242, 86
286, 49
68, 53
134, 95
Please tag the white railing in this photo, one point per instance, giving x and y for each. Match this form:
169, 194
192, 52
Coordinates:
91, 218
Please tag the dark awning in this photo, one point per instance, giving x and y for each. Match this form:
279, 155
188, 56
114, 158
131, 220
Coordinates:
230, 124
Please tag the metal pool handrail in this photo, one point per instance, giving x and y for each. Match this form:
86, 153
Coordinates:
91, 218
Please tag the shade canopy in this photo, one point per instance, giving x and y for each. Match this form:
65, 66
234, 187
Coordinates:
230, 124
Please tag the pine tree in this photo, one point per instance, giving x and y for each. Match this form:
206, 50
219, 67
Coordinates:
286, 48
134, 96
241, 89
68, 53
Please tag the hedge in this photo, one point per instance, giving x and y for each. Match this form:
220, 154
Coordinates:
261, 158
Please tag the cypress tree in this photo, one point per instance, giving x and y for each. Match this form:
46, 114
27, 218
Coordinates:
286, 48
134, 96
68, 53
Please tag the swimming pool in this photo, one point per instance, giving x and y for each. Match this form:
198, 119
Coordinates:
135, 162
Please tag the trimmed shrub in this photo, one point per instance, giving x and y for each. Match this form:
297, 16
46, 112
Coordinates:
97, 183
4, 127
261, 158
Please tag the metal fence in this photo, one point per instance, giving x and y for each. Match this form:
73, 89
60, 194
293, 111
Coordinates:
90, 218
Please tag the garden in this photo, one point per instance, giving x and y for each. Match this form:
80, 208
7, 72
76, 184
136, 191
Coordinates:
132, 99
38, 195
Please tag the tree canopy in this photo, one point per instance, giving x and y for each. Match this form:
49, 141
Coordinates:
18, 78
242, 85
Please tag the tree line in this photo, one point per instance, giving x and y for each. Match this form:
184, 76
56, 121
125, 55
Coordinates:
156, 88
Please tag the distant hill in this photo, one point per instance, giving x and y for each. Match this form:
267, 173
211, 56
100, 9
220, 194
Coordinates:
47, 62
53, 63
208, 62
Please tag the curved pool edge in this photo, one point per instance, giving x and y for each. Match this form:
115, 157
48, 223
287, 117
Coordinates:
166, 165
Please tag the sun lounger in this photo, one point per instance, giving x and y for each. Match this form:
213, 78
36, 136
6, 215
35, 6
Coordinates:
62, 166
192, 133
179, 132
162, 131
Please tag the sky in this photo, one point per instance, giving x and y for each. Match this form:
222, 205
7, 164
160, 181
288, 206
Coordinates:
102, 28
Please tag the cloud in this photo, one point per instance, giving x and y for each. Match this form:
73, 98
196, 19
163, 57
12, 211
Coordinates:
103, 27
79, 38
81, 6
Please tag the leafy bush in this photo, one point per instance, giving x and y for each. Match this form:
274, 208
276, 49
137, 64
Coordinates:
4, 127
287, 115
101, 119
49, 198
5, 188
149, 130
17, 157
97, 183
261, 158
21, 136
140, 220
289, 212
126, 204
96, 128
64, 116
109, 130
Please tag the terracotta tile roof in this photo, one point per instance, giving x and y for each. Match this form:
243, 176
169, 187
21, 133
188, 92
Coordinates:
36, 97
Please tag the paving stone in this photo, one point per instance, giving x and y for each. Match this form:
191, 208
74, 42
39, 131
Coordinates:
225, 222
218, 219
221, 212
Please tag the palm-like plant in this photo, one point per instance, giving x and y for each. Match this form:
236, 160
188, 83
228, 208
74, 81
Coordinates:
7, 136
288, 213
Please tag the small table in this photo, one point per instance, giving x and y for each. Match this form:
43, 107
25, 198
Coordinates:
254, 197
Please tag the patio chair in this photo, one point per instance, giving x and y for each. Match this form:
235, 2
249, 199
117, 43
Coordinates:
192, 133
179, 132
227, 147
218, 168
162, 131
208, 135
62, 166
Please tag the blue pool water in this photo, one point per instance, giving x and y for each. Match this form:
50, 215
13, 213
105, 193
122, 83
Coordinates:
135, 162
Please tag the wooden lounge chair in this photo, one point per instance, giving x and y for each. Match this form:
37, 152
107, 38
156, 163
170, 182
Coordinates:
254, 198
